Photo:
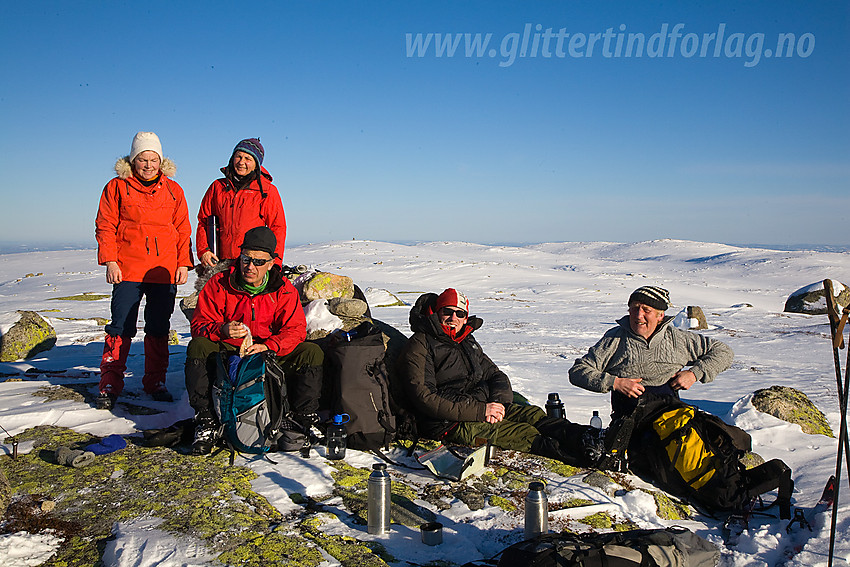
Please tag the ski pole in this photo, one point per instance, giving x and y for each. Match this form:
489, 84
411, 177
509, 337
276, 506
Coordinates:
837, 334
842, 438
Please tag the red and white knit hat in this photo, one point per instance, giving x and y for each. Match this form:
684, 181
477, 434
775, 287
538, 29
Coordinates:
452, 298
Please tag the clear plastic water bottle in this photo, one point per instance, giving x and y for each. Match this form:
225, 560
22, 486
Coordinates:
555, 407
336, 437
378, 500
536, 511
596, 421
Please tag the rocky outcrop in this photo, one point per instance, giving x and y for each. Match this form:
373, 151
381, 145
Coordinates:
26, 338
811, 299
697, 318
325, 285
347, 307
793, 406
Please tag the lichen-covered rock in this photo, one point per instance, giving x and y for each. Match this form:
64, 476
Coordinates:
812, 299
603, 482
350, 484
751, 460
473, 499
26, 338
793, 406
201, 497
325, 285
697, 318
669, 509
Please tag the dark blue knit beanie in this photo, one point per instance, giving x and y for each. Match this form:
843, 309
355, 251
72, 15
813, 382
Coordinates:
252, 147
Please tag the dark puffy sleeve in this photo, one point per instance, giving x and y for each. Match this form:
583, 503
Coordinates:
497, 383
416, 367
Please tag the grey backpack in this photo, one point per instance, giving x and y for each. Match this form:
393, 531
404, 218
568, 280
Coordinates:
671, 547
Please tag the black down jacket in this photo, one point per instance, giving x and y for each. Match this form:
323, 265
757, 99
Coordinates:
445, 382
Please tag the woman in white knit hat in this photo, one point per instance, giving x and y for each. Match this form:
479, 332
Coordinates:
144, 240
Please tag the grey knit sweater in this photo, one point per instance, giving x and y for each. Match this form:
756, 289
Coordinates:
622, 353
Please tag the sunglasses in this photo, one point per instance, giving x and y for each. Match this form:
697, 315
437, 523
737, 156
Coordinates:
448, 312
256, 261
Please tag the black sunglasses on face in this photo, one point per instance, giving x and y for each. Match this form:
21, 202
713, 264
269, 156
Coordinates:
448, 312
256, 261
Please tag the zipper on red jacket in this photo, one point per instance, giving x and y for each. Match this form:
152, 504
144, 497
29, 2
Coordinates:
156, 244
147, 245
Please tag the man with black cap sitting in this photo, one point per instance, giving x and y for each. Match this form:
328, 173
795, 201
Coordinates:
251, 298
645, 353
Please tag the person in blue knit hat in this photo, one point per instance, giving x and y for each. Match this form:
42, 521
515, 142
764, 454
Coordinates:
243, 199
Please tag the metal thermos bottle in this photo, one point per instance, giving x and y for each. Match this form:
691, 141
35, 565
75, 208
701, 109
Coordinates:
213, 237
536, 511
555, 407
596, 421
378, 510
336, 438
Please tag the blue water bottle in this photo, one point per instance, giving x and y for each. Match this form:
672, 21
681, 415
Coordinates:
336, 437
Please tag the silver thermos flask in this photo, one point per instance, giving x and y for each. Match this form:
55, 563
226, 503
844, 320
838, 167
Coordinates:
536, 511
378, 521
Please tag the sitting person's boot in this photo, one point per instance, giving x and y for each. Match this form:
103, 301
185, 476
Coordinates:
207, 434
308, 421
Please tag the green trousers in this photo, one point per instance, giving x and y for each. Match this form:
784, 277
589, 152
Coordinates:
515, 432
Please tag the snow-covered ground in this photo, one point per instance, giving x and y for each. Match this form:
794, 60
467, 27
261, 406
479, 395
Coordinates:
543, 306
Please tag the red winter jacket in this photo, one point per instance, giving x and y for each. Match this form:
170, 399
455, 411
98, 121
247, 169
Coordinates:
239, 211
145, 229
275, 315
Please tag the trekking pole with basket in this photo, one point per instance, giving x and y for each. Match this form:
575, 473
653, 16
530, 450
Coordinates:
836, 325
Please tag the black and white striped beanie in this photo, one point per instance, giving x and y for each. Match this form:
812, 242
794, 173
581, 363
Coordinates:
654, 296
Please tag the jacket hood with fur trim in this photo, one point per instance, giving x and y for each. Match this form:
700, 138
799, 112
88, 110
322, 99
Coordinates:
124, 168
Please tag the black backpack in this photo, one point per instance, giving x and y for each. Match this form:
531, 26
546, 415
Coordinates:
696, 456
671, 547
357, 378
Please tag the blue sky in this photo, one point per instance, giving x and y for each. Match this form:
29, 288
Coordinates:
367, 139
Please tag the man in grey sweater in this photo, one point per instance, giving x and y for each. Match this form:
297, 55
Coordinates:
645, 354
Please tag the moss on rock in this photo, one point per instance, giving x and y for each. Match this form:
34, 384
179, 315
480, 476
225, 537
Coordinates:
272, 549
669, 509
599, 520
351, 483
502, 502
793, 406
30, 335
751, 460
201, 497
348, 551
